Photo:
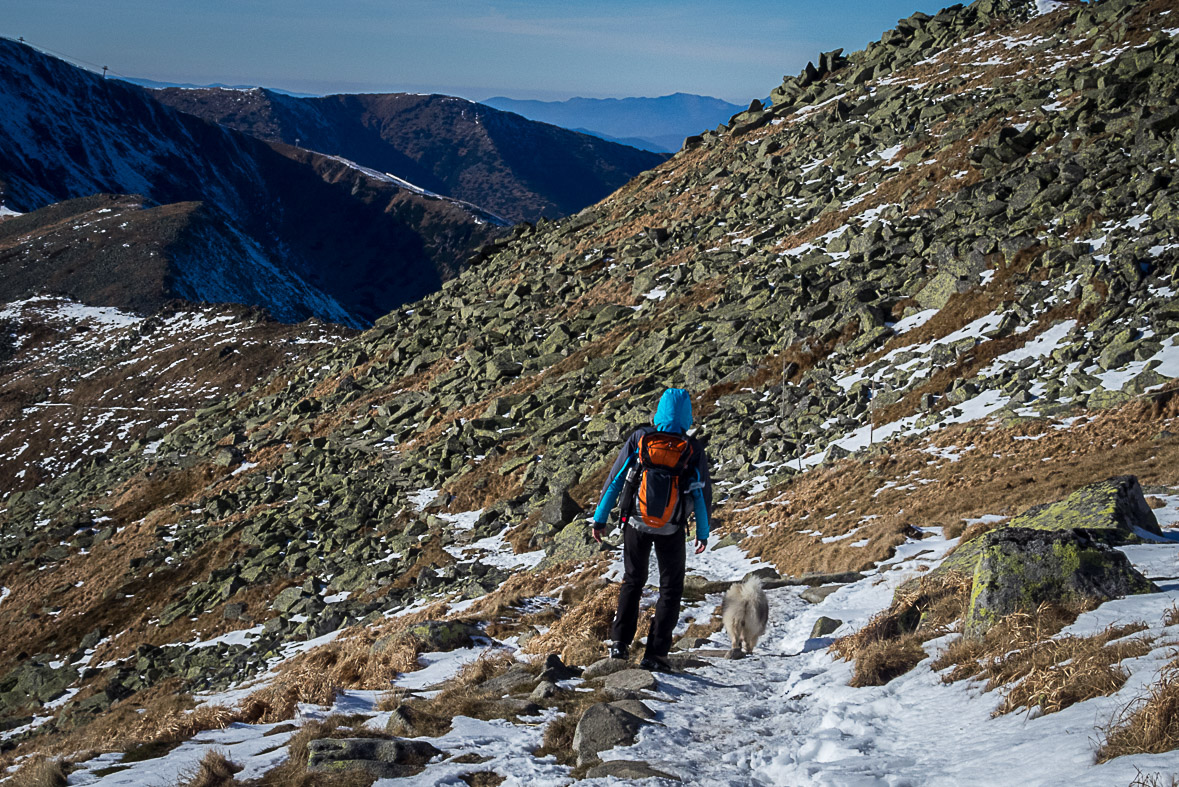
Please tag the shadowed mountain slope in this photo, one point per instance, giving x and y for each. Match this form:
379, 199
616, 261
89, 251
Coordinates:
356, 241
516, 168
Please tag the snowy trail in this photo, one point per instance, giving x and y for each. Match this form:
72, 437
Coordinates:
786, 715
782, 717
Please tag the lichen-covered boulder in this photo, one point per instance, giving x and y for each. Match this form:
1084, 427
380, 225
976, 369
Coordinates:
1112, 511
1020, 568
571, 544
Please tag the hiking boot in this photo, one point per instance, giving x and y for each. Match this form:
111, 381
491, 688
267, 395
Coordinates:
655, 664
621, 652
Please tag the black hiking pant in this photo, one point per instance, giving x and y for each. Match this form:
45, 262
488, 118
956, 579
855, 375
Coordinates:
670, 552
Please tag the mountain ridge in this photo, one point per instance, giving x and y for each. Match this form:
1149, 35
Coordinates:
661, 122
512, 167
346, 241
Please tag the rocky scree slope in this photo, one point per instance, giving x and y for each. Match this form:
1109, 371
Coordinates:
342, 244
513, 167
79, 384
963, 232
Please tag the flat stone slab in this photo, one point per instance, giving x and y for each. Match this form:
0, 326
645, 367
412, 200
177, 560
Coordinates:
684, 661
604, 667
631, 680
516, 679
627, 769
636, 708
816, 595
380, 757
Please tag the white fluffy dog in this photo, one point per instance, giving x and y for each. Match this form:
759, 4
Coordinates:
745, 611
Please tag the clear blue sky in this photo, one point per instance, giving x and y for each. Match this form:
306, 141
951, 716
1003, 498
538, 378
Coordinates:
472, 48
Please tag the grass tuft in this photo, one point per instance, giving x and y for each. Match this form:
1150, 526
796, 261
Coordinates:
890, 644
1044, 671
41, 772
215, 770
578, 636
1148, 724
879, 662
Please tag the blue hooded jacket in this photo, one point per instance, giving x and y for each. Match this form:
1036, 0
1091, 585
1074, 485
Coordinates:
674, 414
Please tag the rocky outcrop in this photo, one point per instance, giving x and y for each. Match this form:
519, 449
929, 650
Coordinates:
1020, 568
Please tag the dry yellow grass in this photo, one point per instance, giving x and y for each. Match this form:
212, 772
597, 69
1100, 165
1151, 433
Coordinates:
1042, 670
1154, 780
1148, 724
890, 644
578, 636
215, 770
880, 661
1002, 473
40, 772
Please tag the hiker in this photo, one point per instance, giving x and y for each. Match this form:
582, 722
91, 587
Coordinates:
659, 476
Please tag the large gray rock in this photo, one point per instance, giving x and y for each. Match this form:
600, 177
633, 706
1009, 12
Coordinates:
824, 626
1112, 511
560, 509
1020, 568
603, 727
383, 758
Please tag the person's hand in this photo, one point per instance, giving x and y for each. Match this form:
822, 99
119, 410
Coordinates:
598, 532
700, 545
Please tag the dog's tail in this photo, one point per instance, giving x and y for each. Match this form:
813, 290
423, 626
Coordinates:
749, 589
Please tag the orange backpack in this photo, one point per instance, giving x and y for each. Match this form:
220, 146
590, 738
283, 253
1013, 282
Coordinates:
653, 485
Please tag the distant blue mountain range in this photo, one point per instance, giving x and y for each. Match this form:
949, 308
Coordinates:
657, 124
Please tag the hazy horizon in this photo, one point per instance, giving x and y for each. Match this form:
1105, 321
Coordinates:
469, 48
